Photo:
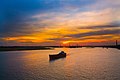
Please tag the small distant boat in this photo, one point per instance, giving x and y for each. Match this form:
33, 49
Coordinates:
62, 54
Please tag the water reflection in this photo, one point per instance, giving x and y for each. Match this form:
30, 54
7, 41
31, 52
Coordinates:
56, 59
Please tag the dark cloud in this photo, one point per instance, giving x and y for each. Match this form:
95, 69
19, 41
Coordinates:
112, 25
95, 33
15, 29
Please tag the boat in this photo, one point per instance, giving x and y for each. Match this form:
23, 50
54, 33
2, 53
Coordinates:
62, 54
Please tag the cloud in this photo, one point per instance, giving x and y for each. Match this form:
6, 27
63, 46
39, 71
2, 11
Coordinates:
14, 15
114, 25
94, 33
51, 20
87, 18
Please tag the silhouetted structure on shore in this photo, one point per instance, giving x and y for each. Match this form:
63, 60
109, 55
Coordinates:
116, 43
91, 46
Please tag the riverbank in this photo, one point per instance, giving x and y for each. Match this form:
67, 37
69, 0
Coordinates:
18, 48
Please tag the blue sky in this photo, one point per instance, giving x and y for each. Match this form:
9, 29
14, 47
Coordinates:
23, 21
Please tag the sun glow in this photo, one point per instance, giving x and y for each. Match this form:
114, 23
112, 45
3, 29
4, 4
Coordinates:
66, 42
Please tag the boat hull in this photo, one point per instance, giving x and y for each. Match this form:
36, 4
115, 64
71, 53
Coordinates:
57, 56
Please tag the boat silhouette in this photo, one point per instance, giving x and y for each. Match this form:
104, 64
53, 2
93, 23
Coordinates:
62, 54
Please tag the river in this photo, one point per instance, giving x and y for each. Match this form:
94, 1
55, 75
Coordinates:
80, 64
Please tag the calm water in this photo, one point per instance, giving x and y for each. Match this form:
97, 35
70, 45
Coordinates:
80, 64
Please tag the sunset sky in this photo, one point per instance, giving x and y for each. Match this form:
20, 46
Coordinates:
55, 22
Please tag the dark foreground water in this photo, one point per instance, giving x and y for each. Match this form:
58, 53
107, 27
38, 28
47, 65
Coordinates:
80, 64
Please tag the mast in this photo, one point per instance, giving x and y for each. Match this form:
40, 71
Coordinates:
116, 43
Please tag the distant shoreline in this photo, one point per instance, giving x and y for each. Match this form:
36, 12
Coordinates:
21, 48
